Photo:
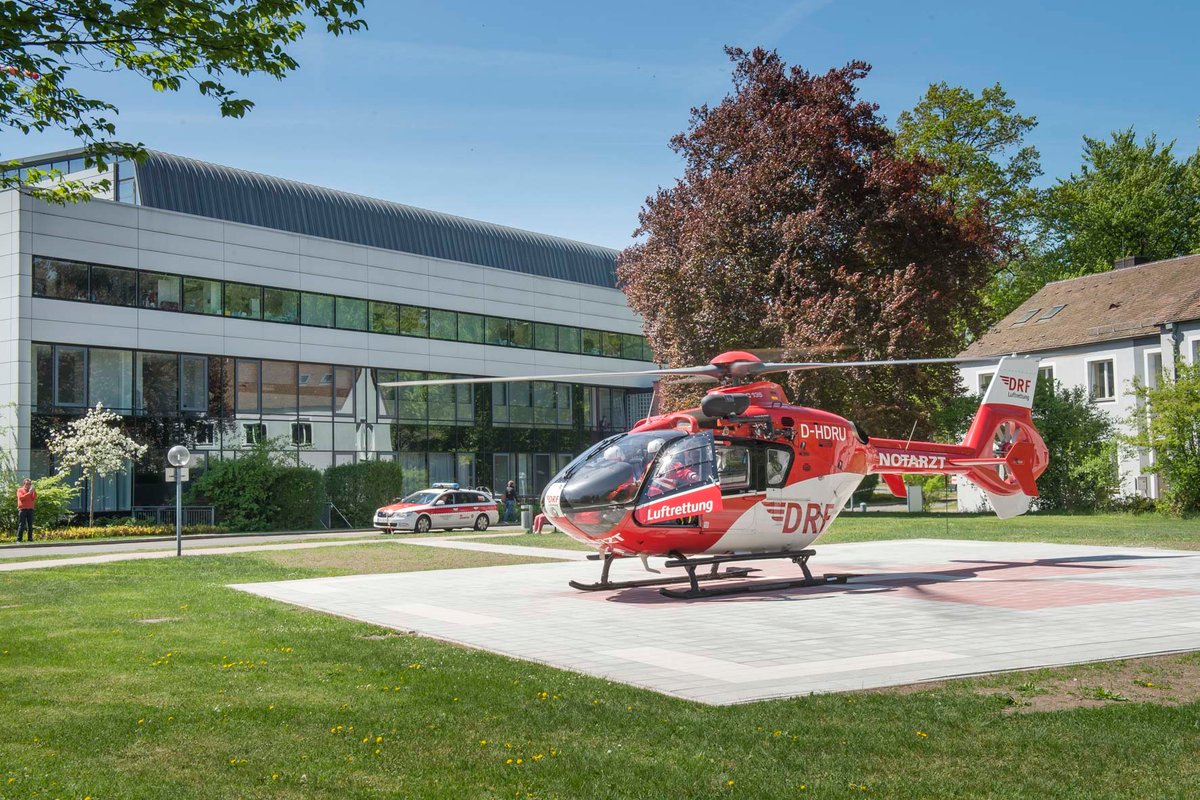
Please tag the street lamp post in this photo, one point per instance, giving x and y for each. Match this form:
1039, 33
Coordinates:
178, 456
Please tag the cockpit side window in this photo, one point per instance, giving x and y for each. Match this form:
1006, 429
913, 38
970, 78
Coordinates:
733, 467
751, 466
778, 460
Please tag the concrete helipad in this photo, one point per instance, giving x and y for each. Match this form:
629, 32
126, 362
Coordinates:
924, 609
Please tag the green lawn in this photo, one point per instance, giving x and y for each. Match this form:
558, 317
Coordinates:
152, 679
1129, 530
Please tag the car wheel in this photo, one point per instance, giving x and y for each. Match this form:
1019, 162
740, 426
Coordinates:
481, 522
423, 524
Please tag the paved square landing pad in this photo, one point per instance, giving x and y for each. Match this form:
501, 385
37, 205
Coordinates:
922, 610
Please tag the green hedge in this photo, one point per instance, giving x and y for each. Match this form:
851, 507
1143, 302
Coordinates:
262, 490
358, 489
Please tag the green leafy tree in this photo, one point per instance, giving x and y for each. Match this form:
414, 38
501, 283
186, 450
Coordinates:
1168, 423
1128, 199
979, 143
1082, 474
45, 47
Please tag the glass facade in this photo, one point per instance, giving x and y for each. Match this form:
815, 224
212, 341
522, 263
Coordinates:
479, 435
96, 283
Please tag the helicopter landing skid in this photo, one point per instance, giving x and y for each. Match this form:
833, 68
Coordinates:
694, 591
604, 584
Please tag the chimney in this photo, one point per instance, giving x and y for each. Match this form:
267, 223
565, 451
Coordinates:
1131, 261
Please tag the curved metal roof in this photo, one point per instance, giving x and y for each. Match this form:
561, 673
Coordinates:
175, 183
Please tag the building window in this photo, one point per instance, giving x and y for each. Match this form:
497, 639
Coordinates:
243, 301
206, 434
545, 336
611, 344
496, 331
568, 339
193, 371
62, 280
110, 379
247, 387
316, 309
113, 286
1196, 352
351, 314
316, 389
984, 381
301, 433
279, 387
592, 345
522, 333
343, 390
631, 347
202, 296
1046, 376
385, 318
254, 432
414, 321
156, 383
160, 291
70, 376
1101, 381
470, 328
1154, 368
281, 305
443, 324
442, 406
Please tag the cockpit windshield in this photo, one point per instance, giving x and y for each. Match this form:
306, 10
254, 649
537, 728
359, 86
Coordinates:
610, 473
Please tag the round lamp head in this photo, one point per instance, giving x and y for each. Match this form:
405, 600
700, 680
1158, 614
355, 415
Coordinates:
178, 456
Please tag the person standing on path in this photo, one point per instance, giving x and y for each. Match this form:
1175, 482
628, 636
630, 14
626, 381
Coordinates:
26, 498
510, 502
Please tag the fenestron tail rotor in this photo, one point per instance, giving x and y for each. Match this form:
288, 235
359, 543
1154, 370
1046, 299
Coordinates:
735, 366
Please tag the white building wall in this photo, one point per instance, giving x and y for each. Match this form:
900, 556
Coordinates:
15, 286
1071, 369
145, 238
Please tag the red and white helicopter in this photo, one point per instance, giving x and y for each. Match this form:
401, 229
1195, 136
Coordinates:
748, 476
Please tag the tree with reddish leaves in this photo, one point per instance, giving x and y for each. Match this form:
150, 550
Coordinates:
798, 228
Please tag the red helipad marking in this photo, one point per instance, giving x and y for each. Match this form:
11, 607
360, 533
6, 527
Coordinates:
1016, 585
999, 570
1032, 595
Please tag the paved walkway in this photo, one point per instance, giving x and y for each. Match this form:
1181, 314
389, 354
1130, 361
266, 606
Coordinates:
106, 552
923, 610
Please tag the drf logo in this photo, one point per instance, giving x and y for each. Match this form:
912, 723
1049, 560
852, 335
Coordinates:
804, 518
1016, 384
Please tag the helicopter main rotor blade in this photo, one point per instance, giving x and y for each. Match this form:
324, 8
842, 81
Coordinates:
707, 370
743, 368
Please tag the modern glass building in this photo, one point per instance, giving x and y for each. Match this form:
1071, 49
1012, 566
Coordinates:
217, 308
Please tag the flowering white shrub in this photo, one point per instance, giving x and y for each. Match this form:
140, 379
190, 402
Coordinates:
96, 445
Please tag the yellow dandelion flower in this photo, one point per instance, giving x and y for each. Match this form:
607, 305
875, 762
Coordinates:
378, 739
923, 734
508, 761
729, 782
377, 751
520, 761
483, 742
274, 776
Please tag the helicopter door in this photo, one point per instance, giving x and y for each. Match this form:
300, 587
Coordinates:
682, 484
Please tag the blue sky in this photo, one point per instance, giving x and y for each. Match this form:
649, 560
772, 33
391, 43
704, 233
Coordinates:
555, 117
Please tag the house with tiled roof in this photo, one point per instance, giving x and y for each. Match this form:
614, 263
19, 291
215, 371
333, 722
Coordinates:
1102, 332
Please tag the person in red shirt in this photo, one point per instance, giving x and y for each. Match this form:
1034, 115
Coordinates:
26, 498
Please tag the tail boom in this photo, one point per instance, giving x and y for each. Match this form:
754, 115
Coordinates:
1002, 454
